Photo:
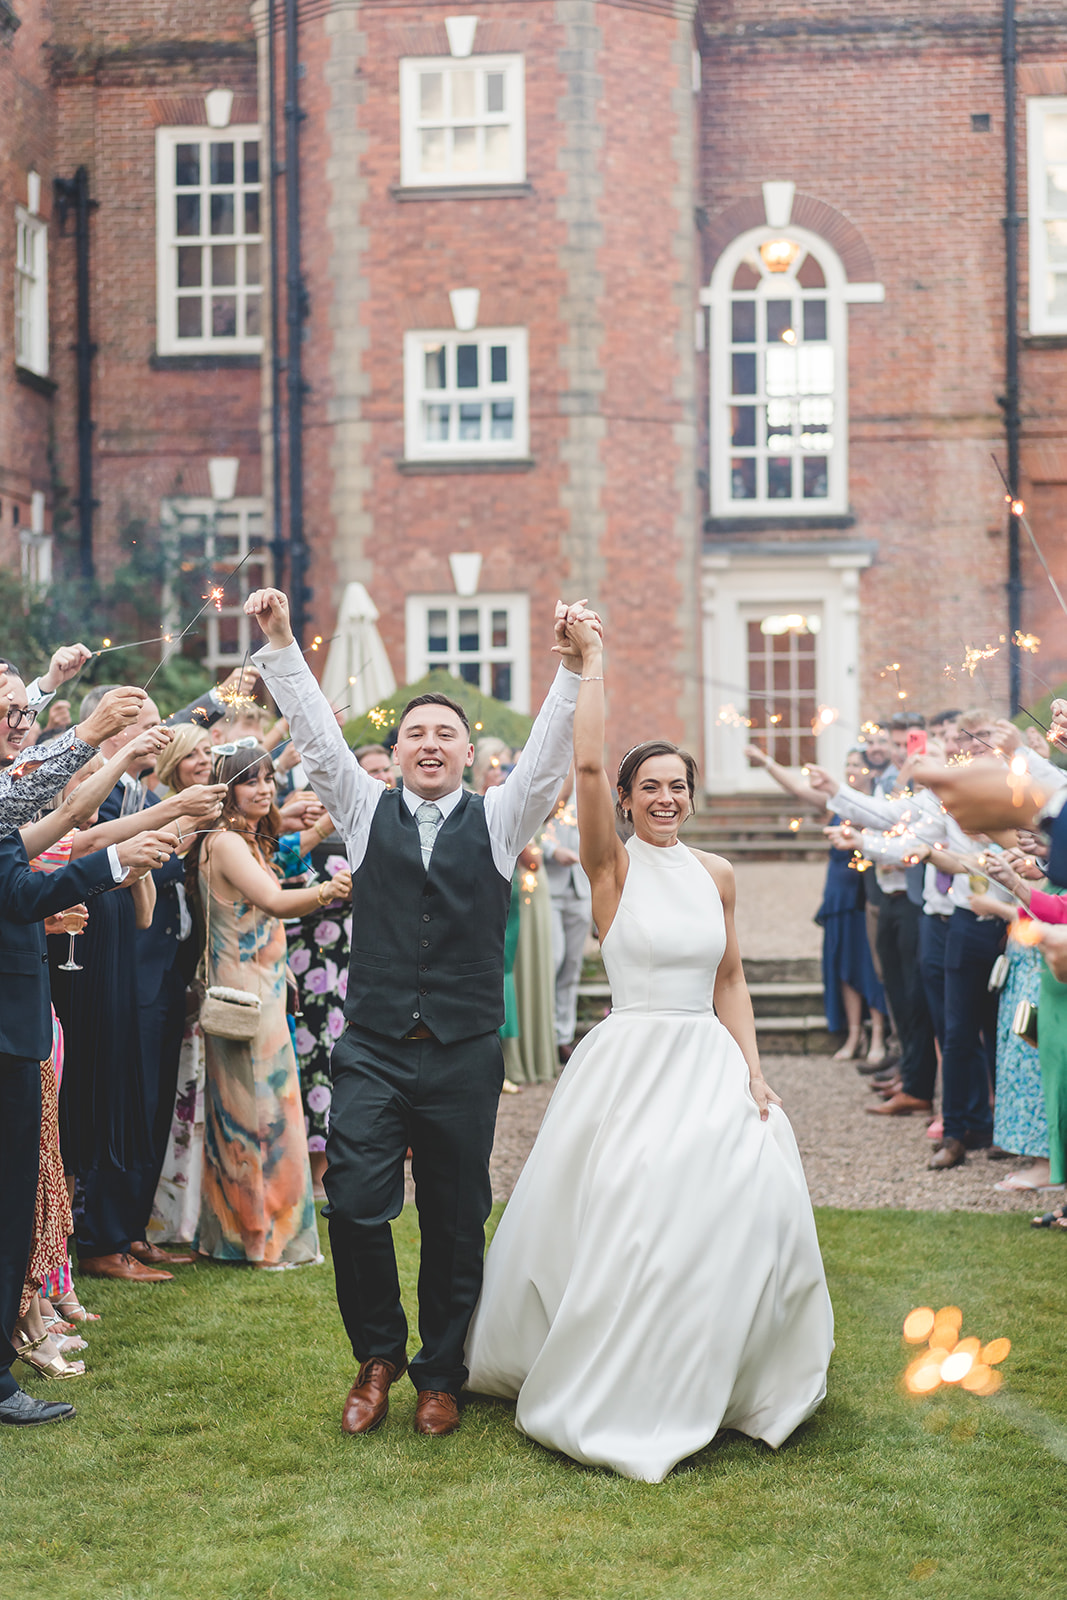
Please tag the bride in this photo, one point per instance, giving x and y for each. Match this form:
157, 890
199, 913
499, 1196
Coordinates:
656, 1276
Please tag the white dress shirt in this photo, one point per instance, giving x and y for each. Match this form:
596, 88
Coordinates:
514, 810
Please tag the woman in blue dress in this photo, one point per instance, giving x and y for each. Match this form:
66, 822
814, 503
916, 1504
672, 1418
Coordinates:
848, 976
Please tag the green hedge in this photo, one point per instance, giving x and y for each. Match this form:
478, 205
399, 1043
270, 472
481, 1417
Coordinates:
488, 717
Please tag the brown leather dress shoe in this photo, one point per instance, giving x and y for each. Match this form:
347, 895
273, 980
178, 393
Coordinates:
126, 1267
368, 1399
150, 1255
899, 1105
952, 1153
436, 1413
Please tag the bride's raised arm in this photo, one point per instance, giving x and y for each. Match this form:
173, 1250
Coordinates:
603, 857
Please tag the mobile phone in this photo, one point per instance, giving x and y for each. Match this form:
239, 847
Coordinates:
916, 741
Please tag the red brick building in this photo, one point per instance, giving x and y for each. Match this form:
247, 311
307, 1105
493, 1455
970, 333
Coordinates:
695, 309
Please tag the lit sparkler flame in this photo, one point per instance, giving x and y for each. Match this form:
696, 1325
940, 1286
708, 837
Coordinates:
794, 824
106, 643
973, 656
730, 717
824, 717
1026, 931
1027, 641
214, 595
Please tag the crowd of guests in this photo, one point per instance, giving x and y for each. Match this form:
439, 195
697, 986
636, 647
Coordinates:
929, 929
174, 943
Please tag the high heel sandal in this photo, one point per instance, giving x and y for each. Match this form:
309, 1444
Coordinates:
41, 1354
66, 1339
69, 1306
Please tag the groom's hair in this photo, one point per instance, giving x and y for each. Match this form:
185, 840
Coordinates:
635, 758
436, 700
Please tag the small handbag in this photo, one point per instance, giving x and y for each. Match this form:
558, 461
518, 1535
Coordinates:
1024, 1022
227, 1013
998, 976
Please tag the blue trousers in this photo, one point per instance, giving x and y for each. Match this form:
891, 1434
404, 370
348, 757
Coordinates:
933, 937
20, 1152
968, 1062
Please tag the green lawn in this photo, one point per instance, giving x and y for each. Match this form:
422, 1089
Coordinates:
207, 1459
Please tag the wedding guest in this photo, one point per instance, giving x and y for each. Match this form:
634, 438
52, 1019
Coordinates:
257, 1203
535, 971
849, 979
376, 760
571, 913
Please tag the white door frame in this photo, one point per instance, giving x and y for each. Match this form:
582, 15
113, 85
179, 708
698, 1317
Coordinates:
778, 578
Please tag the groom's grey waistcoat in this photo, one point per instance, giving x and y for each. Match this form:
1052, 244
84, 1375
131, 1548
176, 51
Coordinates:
428, 945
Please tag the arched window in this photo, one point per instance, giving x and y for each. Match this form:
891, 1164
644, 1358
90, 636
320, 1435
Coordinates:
779, 404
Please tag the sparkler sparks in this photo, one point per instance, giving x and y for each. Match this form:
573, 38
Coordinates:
973, 656
730, 717
794, 824
894, 668
949, 1360
1027, 641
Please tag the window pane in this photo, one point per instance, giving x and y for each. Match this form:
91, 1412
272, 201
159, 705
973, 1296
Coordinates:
501, 676
186, 165
434, 358
432, 142
743, 478
252, 263
816, 370
816, 478
744, 321
463, 90
222, 213
251, 213
1056, 189
437, 419
498, 363
469, 630
498, 148
781, 370
1055, 140
467, 366
744, 373
437, 632
470, 421
224, 264
779, 478
779, 319
503, 419
810, 275
744, 426
221, 163
500, 630
431, 94
471, 672
187, 214
190, 266
494, 91
746, 277
251, 155
190, 317
464, 149
1056, 237
224, 316
780, 437
814, 320
816, 413
252, 315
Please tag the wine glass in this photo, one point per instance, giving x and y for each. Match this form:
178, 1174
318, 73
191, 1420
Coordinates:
70, 965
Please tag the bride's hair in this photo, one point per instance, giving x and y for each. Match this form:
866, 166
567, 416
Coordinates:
635, 758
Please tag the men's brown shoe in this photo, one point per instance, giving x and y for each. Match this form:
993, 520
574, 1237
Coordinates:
899, 1105
436, 1413
126, 1267
368, 1399
150, 1255
951, 1154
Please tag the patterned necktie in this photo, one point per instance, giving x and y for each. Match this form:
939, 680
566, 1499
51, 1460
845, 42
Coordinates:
428, 817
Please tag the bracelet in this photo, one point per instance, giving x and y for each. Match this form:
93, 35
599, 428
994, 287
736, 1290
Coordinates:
600, 679
324, 900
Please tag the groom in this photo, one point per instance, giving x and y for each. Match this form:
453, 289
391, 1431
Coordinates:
420, 1061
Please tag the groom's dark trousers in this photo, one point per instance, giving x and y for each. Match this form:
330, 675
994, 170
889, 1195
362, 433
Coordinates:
441, 1099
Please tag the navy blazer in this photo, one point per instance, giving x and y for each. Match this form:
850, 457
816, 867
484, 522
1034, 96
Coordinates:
26, 898
1057, 861
158, 945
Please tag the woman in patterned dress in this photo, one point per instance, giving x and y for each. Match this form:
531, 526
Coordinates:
256, 1201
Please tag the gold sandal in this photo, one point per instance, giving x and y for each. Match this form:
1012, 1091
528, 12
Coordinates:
42, 1355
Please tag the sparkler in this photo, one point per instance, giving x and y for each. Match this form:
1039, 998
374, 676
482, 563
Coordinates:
1026, 641
730, 717
894, 668
1018, 509
213, 596
973, 656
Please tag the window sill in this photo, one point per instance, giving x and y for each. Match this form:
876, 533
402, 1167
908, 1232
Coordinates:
424, 469
36, 381
766, 524
460, 191
1044, 341
204, 362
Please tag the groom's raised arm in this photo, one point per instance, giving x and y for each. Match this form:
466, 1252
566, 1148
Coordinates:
524, 801
346, 791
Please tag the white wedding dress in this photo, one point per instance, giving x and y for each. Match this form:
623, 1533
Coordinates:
656, 1275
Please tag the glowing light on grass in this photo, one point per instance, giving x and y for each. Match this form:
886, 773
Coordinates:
949, 1360
918, 1325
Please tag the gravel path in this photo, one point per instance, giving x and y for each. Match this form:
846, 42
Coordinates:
851, 1160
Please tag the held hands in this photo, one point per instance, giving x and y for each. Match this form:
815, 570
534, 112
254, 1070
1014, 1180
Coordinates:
340, 888
270, 607
116, 711
763, 1095
579, 633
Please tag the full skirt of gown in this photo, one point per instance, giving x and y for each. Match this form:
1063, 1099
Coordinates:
656, 1276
